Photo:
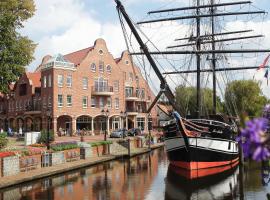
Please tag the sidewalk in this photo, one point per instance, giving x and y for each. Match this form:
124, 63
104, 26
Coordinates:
49, 171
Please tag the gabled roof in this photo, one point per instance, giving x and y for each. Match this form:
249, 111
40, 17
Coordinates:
78, 56
35, 78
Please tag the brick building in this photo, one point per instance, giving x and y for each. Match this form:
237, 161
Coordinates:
70, 91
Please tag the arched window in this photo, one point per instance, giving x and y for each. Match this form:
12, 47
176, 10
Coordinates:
93, 67
109, 68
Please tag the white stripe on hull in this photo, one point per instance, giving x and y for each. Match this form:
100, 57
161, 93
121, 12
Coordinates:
203, 143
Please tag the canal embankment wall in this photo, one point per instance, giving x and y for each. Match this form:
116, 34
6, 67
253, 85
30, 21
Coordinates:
15, 175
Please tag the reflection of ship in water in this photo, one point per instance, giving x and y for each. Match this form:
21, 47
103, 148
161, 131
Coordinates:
219, 186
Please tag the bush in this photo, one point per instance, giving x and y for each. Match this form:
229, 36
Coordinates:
3, 140
64, 146
99, 143
43, 136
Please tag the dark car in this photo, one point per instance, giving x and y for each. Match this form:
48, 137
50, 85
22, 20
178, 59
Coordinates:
119, 133
134, 132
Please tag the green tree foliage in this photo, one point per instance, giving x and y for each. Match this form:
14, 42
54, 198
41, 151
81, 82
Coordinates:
246, 96
16, 51
186, 99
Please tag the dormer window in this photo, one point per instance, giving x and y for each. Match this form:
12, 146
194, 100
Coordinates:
109, 68
93, 67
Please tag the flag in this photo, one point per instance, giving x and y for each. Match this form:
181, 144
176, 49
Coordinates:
264, 63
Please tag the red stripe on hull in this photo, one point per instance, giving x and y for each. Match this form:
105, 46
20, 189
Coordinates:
201, 165
199, 173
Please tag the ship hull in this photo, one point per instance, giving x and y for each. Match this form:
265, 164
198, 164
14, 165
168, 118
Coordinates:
204, 156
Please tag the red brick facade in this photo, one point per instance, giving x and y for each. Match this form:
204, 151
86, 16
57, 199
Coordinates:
73, 90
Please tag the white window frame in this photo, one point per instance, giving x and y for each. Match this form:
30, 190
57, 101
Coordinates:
110, 68
69, 83
85, 83
60, 80
93, 67
101, 67
60, 104
93, 102
101, 102
69, 104
85, 104
116, 86
116, 102
44, 81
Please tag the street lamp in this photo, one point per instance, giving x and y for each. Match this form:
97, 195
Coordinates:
48, 113
123, 116
149, 129
106, 114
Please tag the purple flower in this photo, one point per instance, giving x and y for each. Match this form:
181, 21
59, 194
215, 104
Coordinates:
253, 138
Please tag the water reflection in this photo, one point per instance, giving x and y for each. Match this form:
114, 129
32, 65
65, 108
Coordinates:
146, 177
221, 186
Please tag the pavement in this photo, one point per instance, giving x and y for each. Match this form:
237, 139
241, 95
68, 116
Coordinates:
23, 177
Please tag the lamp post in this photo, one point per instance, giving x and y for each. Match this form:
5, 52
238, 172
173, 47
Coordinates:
149, 129
48, 113
106, 114
123, 116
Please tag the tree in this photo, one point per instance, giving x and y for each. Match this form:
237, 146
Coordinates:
16, 51
245, 96
186, 99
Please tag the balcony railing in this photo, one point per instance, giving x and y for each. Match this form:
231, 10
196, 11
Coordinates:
33, 107
102, 90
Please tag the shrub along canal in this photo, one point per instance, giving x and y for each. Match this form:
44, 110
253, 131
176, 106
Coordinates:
146, 176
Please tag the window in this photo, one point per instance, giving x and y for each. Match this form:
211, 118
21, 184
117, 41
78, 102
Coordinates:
85, 82
101, 102
50, 80
116, 86
142, 94
69, 81
100, 52
127, 62
22, 89
109, 68
116, 103
17, 105
93, 102
49, 101
130, 76
84, 101
129, 91
141, 123
109, 102
44, 81
138, 92
93, 67
101, 85
60, 100
69, 100
101, 67
60, 80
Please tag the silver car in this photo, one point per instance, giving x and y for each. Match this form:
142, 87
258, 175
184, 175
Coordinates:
120, 133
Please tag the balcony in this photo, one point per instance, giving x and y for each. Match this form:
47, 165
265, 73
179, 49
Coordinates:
102, 91
131, 97
132, 111
33, 109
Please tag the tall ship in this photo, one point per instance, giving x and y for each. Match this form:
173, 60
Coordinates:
202, 143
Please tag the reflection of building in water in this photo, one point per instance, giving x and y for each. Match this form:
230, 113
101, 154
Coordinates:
116, 180
221, 186
128, 179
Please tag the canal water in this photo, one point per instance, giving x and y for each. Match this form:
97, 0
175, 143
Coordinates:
145, 177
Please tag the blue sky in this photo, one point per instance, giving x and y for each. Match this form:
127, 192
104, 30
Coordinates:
63, 26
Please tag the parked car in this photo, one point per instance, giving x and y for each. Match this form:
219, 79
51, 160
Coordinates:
119, 133
134, 132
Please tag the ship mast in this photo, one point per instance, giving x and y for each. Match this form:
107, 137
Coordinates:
198, 57
204, 39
